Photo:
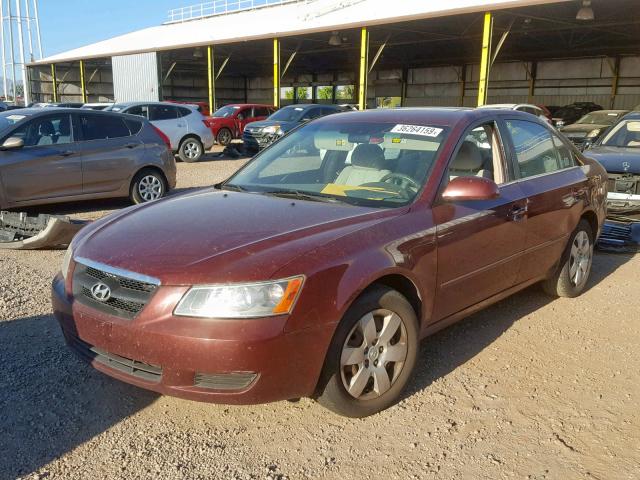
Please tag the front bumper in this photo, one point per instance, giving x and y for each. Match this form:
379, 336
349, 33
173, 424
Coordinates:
220, 361
257, 140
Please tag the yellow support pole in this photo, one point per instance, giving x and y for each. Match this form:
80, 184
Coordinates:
83, 85
211, 77
485, 63
364, 68
276, 72
54, 82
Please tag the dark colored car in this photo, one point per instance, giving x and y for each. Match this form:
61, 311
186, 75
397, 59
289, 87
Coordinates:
589, 128
317, 268
57, 105
228, 122
618, 151
3, 106
60, 155
262, 134
571, 113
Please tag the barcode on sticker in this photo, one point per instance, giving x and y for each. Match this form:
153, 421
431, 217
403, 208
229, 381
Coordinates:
417, 130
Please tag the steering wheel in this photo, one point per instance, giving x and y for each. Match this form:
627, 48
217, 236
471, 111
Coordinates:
401, 180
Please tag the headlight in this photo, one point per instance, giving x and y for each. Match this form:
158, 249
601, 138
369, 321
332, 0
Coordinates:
241, 300
594, 133
273, 129
66, 261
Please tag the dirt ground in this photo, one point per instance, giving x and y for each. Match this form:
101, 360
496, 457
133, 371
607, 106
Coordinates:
531, 388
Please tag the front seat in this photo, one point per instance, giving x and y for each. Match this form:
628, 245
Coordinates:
46, 133
367, 161
468, 163
64, 135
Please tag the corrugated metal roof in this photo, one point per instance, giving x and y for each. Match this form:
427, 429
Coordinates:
283, 20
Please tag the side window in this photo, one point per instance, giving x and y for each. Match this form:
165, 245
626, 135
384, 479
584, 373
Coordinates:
312, 113
245, 114
162, 112
262, 112
567, 160
534, 148
50, 130
183, 111
134, 126
139, 110
480, 155
102, 127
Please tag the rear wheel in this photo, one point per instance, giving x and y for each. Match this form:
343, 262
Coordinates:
224, 137
148, 185
191, 150
572, 275
372, 355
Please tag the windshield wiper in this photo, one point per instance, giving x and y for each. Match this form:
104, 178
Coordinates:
232, 187
301, 196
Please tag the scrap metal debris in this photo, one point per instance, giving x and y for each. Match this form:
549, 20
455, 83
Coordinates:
19, 231
620, 237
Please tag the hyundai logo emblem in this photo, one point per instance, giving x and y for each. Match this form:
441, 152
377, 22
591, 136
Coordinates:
101, 292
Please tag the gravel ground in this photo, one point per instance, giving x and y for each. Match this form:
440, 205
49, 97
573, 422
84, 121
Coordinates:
529, 388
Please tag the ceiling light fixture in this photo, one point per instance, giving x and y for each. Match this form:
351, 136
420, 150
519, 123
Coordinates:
585, 13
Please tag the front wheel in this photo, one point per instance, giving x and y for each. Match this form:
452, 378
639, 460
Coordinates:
147, 186
372, 355
191, 150
572, 275
224, 137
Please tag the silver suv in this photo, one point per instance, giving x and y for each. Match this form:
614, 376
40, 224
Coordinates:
183, 124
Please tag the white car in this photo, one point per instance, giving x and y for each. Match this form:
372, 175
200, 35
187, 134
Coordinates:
522, 107
183, 124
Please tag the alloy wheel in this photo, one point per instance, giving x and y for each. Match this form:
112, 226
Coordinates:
150, 188
224, 137
373, 354
580, 259
191, 149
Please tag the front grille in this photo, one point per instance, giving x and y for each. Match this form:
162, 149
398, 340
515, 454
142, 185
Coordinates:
135, 368
256, 138
128, 295
224, 381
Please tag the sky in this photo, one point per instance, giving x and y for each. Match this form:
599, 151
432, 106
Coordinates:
67, 24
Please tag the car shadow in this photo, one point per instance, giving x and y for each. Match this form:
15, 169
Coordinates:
50, 401
443, 352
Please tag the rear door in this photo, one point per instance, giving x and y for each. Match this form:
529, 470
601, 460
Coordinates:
480, 243
168, 120
556, 189
243, 117
48, 166
110, 151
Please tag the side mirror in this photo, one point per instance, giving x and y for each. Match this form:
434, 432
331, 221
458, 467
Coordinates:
12, 143
587, 145
462, 189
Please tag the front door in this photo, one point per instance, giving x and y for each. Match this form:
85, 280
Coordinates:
243, 117
556, 188
168, 120
48, 166
479, 242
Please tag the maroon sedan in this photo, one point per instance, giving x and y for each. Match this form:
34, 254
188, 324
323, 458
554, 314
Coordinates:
318, 267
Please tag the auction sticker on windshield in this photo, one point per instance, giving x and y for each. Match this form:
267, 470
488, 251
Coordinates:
417, 130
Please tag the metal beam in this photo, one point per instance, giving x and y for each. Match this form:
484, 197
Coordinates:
378, 53
169, 72
54, 82
532, 81
224, 64
485, 63
83, 85
286, 65
503, 39
364, 68
211, 79
616, 79
463, 84
276, 72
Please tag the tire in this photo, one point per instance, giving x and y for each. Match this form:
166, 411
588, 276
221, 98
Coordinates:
224, 137
353, 381
572, 275
190, 150
147, 186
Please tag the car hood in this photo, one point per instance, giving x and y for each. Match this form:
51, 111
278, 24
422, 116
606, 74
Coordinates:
285, 126
615, 159
582, 128
214, 236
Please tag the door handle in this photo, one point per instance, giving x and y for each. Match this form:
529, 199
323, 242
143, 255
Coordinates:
131, 145
518, 212
66, 153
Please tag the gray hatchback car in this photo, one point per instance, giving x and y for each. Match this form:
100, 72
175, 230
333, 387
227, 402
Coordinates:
61, 155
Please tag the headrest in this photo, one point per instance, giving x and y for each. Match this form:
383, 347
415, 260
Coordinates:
64, 126
46, 128
468, 158
367, 155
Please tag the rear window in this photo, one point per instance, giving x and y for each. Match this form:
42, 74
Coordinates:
98, 127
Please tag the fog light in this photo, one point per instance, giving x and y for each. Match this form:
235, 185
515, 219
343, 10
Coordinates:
224, 381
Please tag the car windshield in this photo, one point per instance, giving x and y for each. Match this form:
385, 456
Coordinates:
288, 114
369, 164
225, 112
625, 134
599, 118
8, 119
